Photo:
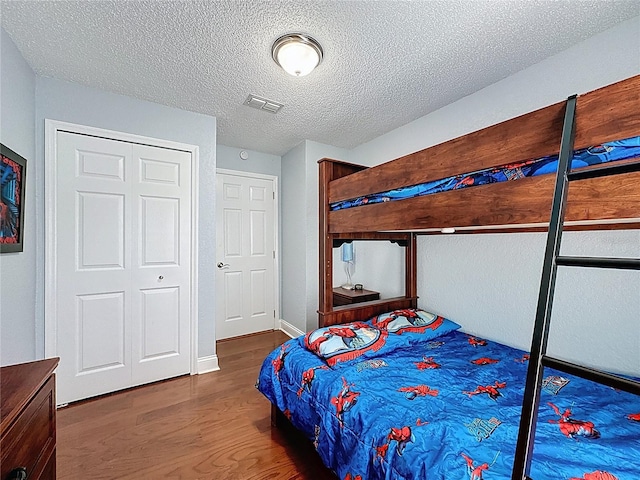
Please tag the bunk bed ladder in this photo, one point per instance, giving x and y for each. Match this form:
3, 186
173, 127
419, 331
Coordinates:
538, 359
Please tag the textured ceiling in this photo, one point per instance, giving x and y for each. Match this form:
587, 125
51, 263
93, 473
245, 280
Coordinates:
386, 62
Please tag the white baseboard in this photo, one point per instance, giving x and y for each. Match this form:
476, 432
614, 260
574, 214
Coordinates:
208, 364
290, 330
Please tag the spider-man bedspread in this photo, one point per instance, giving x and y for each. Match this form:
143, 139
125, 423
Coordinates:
407, 396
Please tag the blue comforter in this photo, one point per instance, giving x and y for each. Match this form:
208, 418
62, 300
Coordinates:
448, 408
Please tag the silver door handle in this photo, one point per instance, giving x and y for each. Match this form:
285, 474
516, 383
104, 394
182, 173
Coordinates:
223, 265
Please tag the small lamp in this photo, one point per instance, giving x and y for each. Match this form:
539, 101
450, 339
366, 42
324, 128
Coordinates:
349, 260
297, 54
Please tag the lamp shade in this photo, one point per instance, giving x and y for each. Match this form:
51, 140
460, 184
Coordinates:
297, 54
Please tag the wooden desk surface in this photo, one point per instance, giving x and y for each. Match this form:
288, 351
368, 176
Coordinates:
353, 293
19, 383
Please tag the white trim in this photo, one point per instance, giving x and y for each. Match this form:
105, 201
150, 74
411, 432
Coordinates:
51, 128
115, 135
276, 246
276, 233
241, 173
290, 330
195, 217
50, 239
208, 364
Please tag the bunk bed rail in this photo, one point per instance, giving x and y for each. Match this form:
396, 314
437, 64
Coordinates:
606, 115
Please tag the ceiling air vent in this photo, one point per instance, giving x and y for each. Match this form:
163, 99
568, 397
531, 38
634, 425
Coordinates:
263, 104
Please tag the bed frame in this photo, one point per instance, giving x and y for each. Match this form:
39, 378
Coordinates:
530, 204
603, 115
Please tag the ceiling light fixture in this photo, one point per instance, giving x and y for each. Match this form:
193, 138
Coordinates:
297, 54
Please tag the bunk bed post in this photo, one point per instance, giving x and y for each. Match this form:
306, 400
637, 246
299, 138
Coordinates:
325, 272
411, 270
330, 170
526, 433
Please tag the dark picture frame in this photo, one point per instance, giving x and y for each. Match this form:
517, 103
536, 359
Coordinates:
13, 175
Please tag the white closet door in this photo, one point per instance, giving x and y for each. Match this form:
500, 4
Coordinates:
119, 323
161, 263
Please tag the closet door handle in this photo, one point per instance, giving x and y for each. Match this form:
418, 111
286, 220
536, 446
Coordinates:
223, 265
19, 473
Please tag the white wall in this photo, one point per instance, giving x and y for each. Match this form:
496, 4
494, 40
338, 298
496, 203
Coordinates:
379, 266
74, 103
489, 282
258, 162
299, 205
293, 240
18, 270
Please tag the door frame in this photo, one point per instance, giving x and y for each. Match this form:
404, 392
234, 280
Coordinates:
276, 233
51, 129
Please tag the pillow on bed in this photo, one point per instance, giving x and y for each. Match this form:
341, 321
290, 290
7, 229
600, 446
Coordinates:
376, 337
341, 343
413, 325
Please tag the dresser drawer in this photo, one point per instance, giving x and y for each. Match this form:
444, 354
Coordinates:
30, 440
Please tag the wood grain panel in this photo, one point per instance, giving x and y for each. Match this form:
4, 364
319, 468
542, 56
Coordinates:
364, 311
524, 201
28, 408
609, 113
529, 136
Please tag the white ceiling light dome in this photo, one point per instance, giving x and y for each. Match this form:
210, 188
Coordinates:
298, 54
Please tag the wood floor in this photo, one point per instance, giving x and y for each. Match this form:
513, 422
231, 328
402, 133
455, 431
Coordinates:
214, 426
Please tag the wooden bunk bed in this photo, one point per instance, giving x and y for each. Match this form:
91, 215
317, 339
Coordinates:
597, 202
604, 115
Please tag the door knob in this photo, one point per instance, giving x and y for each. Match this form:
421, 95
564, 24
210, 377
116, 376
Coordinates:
223, 265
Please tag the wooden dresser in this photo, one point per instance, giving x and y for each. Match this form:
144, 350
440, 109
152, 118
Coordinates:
28, 420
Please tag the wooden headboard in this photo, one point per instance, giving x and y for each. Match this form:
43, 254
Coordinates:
607, 114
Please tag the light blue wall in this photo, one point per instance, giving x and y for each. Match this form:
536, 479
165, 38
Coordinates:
489, 282
69, 102
258, 162
293, 241
299, 202
18, 270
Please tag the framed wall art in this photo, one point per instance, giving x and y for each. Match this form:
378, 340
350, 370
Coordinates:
13, 169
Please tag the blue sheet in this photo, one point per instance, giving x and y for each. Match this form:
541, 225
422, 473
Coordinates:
595, 155
449, 409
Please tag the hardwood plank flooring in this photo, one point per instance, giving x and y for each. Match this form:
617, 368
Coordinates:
214, 426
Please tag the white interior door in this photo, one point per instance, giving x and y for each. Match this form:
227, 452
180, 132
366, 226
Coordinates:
246, 264
122, 250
